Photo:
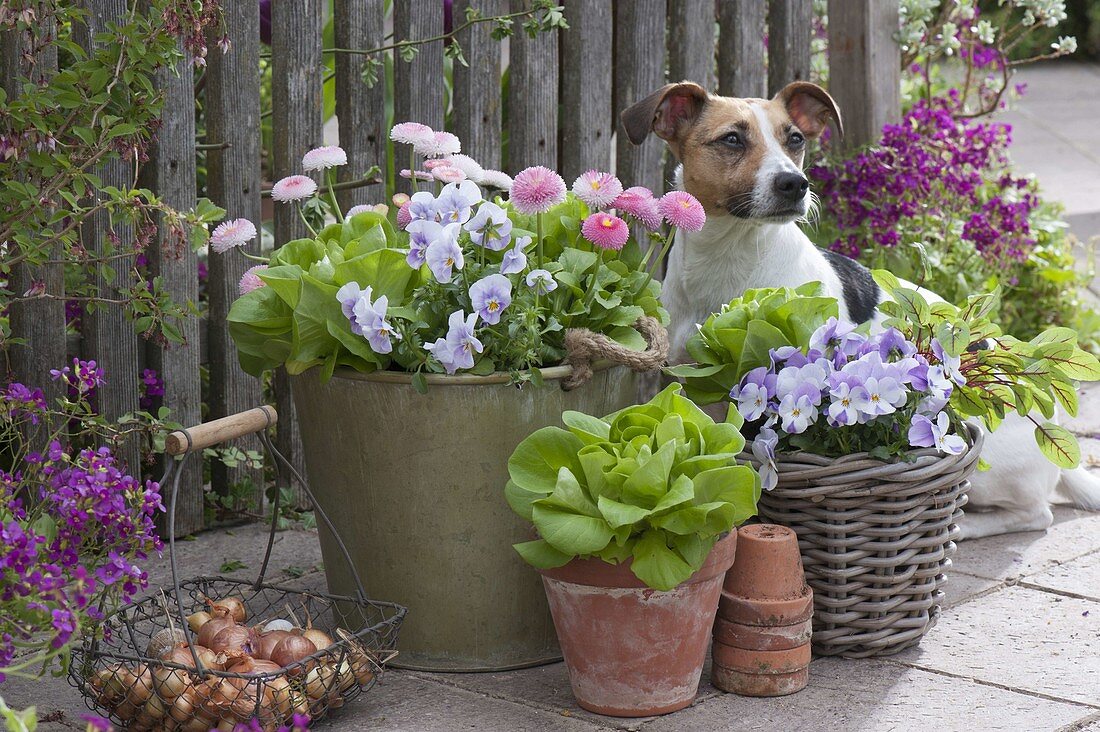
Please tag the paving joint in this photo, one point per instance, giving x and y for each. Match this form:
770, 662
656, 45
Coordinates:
1081, 724
1061, 593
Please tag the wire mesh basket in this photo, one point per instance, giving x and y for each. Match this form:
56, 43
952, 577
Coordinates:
146, 671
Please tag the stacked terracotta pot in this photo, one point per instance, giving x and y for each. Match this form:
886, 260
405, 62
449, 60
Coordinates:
762, 631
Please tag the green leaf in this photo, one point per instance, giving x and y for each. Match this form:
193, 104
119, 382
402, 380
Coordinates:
568, 494
570, 532
657, 565
621, 514
589, 429
384, 270
535, 462
1079, 365
541, 555
1058, 444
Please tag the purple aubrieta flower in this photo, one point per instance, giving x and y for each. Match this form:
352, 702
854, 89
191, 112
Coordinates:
515, 261
925, 433
444, 255
490, 296
455, 201
490, 227
422, 232
541, 281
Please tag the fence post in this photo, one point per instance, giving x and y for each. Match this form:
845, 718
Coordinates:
790, 32
477, 108
171, 173
360, 109
639, 70
864, 67
690, 49
532, 97
296, 123
586, 63
741, 68
40, 322
417, 84
233, 182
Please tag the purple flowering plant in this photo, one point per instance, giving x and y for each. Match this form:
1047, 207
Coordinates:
75, 525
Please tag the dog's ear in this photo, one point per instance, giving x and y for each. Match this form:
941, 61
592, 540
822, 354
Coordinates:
666, 111
810, 108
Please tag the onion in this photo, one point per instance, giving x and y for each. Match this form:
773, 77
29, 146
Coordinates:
234, 699
197, 620
318, 638
278, 624
139, 691
282, 696
170, 683
111, 684
265, 644
363, 663
211, 628
230, 607
150, 714
248, 665
163, 640
291, 650
181, 655
328, 682
233, 640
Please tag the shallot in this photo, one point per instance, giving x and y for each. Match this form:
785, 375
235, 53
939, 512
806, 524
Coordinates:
265, 644
230, 607
196, 620
211, 628
291, 650
233, 640
278, 624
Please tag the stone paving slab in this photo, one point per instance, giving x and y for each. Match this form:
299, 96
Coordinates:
1020, 638
1079, 577
1075, 533
876, 695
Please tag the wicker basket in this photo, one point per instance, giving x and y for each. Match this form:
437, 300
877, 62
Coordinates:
876, 540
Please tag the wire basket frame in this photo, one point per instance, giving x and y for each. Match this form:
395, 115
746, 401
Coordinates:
121, 675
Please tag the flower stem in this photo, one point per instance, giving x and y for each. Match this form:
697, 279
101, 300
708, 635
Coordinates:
302, 215
657, 261
331, 175
591, 294
538, 238
253, 257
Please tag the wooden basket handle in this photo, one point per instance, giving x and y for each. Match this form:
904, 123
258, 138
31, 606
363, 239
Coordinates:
220, 430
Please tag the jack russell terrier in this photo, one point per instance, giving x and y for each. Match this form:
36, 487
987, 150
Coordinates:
742, 158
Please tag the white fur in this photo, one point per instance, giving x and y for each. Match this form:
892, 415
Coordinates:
730, 255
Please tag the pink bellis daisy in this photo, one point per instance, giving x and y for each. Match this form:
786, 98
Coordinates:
447, 174
440, 144
251, 280
416, 174
640, 203
411, 133
494, 179
598, 190
605, 231
466, 164
293, 188
682, 210
404, 216
536, 190
380, 208
320, 158
229, 234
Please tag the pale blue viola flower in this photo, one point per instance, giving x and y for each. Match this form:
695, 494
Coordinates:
490, 227
883, 396
461, 340
347, 296
443, 353
951, 364
455, 202
830, 334
371, 320
515, 261
422, 233
752, 401
422, 207
760, 376
490, 296
891, 344
812, 375
541, 281
796, 413
923, 432
939, 386
763, 449
444, 255
842, 408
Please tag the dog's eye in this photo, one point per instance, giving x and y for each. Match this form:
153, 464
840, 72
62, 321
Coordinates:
733, 139
796, 139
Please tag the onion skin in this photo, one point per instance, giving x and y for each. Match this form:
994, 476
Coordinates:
228, 607
163, 641
210, 629
233, 640
181, 654
264, 646
318, 638
196, 620
291, 650
278, 624
249, 665
141, 688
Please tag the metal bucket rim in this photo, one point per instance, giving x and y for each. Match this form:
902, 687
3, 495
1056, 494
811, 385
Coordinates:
550, 373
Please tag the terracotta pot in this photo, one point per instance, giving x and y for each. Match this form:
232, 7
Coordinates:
762, 637
760, 673
632, 651
768, 566
760, 684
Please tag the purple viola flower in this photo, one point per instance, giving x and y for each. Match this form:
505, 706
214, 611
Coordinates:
925, 433
444, 255
455, 201
835, 334
443, 354
763, 449
806, 379
797, 413
457, 350
490, 296
752, 401
422, 232
892, 345
541, 281
515, 261
790, 356
347, 296
490, 227
882, 396
422, 207
370, 317
951, 364
842, 408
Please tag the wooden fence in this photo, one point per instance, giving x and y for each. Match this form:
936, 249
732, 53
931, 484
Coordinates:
559, 108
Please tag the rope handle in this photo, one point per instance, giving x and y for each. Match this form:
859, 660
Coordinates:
225, 429
584, 346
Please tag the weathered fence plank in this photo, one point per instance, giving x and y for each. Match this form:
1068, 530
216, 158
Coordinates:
171, 173
532, 98
360, 109
296, 122
477, 102
864, 67
639, 70
108, 336
790, 30
418, 84
741, 54
233, 181
586, 121
691, 46
39, 322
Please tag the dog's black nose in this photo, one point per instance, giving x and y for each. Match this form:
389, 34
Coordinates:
791, 186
